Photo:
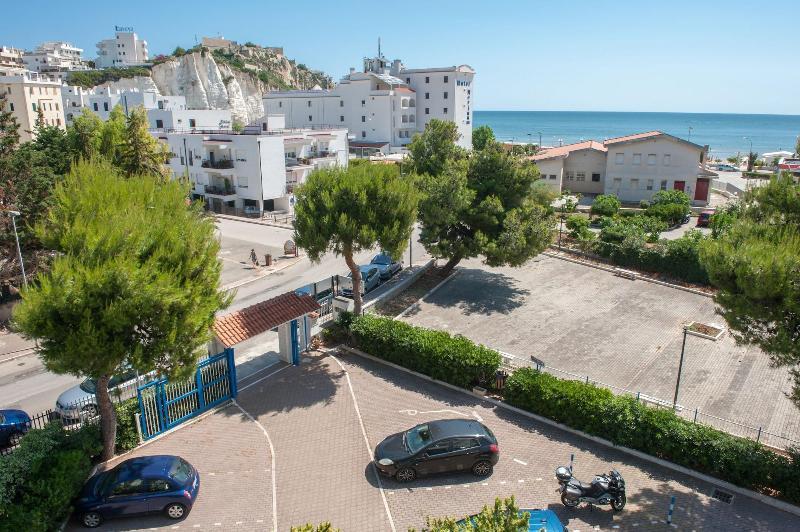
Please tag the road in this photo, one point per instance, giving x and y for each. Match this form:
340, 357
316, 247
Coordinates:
26, 384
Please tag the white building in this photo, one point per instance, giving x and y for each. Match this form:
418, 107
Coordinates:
633, 167
124, 50
11, 61
54, 56
255, 170
384, 105
163, 112
28, 93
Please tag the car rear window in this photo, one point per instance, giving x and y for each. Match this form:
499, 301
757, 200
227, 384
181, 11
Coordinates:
490, 434
180, 471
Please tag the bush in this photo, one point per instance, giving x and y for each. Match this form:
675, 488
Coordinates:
453, 359
605, 205
643, 204
44, 474
670, 206
91, 78
127, 435
578, 225
661, 433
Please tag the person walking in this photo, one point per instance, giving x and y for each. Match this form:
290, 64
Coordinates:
253, 257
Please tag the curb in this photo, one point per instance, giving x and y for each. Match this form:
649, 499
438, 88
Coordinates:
430, 292
251, 221
638, 276
769, 501
287, 264
399, 287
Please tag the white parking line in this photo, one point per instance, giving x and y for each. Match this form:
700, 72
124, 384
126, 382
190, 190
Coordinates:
520, 462
264, 377
412, 412
479, 418
366, 441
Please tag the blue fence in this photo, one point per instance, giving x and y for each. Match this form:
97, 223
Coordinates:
165, 404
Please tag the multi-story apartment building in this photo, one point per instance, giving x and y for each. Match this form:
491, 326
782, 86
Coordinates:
163, 112
384, 105
10, 61
255, 170
633, 167
125, 49
28, 93
54, 56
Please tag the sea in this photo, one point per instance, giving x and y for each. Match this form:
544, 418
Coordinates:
725, 134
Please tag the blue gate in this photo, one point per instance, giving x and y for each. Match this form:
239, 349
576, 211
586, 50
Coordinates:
165, 404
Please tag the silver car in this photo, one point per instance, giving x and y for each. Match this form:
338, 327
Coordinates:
80, 402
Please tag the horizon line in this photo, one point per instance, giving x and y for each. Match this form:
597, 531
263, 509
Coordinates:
628, 112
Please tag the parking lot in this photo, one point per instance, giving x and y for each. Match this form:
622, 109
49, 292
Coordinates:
311, 434
624, 333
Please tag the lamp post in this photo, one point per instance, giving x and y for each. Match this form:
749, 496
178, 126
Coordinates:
540, 140
690, 133
680, 369
14, 215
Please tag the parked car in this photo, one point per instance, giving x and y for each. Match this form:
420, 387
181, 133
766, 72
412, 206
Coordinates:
13, 425
386, 266
148, 484
705, 218
727, 168
80, 402
370, 279
438, 447
686, 219
538, 520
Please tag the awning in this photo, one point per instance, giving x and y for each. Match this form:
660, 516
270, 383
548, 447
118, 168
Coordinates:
243, 324
366, 144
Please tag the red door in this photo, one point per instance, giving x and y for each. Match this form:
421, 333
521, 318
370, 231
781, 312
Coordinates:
701, 190
680, 185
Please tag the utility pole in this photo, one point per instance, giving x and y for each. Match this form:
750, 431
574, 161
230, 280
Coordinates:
690, 133
540, 140
680, 369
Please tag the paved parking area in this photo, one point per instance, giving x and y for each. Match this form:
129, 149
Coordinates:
624, 333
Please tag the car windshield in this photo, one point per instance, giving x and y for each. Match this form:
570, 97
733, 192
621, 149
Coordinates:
180, 471
417, 438
89, 386
364, 271
382, 259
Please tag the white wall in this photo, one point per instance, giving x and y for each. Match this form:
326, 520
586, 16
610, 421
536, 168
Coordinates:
552, 172
587, 162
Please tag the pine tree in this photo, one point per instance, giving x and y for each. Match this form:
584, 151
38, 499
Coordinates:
141, 153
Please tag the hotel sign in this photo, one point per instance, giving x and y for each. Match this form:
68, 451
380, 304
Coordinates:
123, 28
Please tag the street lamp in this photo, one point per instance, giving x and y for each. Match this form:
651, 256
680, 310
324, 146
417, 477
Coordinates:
690, 133
680, 368
540, 140
14, 215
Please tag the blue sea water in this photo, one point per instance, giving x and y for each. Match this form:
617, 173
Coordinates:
724, 133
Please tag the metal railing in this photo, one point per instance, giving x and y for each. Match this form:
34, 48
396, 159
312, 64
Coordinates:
221, 164
736, 428
219, 191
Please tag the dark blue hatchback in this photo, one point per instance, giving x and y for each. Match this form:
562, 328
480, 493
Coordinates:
148, 484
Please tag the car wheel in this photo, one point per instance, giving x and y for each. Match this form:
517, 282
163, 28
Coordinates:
91, 519
89, 411
175, 510
482, 468
14, 439
405, 475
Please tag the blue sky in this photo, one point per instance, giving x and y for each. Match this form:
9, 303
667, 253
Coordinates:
685, 56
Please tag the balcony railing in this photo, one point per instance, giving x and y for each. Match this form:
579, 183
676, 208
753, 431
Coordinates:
219, 191
222, 164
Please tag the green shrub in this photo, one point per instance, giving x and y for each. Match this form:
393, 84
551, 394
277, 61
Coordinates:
578, 225
91, 78
670, 206
127, 435
643, 204
658, 432
43, 475
605, 205
452, 359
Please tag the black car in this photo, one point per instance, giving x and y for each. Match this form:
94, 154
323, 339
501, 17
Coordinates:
438, 447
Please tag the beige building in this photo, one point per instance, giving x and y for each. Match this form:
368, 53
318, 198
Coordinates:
10, 60
25, 94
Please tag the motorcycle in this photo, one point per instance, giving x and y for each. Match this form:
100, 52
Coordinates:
603, 489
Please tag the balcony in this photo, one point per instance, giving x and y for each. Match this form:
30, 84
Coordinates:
222, 164
213, 190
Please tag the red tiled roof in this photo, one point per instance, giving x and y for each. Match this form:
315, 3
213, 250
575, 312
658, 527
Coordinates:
404, 89
636, 136
261, 317
560, 151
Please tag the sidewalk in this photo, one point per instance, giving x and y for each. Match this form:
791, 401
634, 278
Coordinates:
258, 221
12, 344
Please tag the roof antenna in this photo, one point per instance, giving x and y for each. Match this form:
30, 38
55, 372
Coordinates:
379, 46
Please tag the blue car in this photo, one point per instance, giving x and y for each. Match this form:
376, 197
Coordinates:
386, 266
370, 279
148, 484
13, 425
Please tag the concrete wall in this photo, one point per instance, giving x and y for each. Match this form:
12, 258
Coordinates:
552, 171
582, 164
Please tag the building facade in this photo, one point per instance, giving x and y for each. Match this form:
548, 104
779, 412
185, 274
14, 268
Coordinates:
26, 95
11, 61
633, 167
124, 50
383, 106
255, 170
54, 56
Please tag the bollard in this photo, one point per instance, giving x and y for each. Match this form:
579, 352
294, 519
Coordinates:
571, 459
758, 439
137, 416
268, 259
695, 415
671, 509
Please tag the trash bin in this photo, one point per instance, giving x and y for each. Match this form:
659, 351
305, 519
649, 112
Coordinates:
268, 259
500, 379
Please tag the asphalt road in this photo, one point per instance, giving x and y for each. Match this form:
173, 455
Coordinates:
26, 384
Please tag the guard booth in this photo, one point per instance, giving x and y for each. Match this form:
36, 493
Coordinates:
293, 315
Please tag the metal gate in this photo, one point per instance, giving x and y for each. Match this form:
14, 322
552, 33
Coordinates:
164, 404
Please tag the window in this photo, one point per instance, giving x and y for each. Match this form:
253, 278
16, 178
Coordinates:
57, 110
427, 95
436, 449
596, 178
634, 184
263, 126
96, 108
310, 118
404, 119
462, 444
553, 176
341, 103
191, 158
280, 104
309, 103
427, 111
619, 158
667, 159
159, 124
649, 185
446, 79
445, 110
408, 80
129, 487
363, 134
664, 184
637, 159
33, 105
12, 106
617, 182
157, 485
242, 181
341, 118
412, 118
580, 176
651, 159
427, 79
363, 103
192, 122
363, 118
445, 95
570, 176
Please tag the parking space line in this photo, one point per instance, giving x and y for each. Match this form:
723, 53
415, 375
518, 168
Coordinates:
479, 418
272, 453
520, 462
262, 378
366, 441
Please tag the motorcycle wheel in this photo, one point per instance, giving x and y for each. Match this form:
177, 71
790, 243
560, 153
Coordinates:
569, 503
619, 503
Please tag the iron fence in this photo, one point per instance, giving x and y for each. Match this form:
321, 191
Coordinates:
736, 428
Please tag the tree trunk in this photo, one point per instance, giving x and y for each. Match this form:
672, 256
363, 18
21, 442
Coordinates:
452, 263
355, 273
108, 418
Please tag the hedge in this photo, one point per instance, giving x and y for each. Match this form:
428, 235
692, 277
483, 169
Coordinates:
452, 359
658, 432
127, 435
41, 477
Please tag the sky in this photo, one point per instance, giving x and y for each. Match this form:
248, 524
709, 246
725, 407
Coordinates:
710, 56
